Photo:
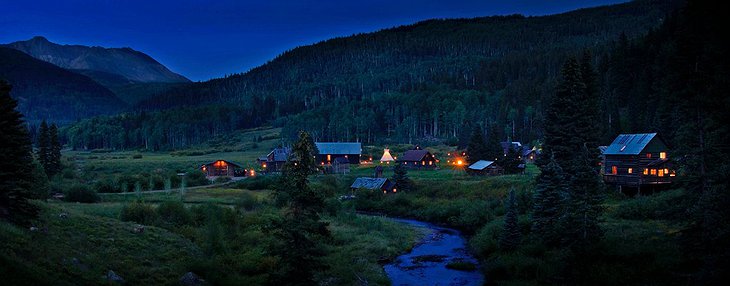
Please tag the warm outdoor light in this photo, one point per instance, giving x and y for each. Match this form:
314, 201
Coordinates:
459, 162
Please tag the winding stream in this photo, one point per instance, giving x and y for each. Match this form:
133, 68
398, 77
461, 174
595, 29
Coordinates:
426, 263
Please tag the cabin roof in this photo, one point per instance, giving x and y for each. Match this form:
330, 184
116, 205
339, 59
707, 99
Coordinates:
480, 165
413, 155
527, 151
337, 148
227, 162
369, 183
515, 145
280, 154
629, 144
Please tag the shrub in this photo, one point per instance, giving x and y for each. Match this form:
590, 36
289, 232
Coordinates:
665, 205
247, 202
196, 178
137, 156
138, 212
173, 213
222, 180
107, 186
81, 194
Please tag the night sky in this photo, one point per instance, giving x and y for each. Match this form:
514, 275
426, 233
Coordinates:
203, 40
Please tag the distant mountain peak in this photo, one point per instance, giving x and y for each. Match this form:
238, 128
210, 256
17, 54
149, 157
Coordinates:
39, 39
126, 62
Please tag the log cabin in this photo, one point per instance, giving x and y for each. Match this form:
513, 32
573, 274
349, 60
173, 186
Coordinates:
329, 151
223, 168
484, 168
418, 159
381, 184
275, 160
637, 160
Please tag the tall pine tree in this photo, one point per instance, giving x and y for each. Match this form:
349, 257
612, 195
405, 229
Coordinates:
400, 178
510, 237
476, 149
54, 152
15, 162
301, 228
43, 152
547, 203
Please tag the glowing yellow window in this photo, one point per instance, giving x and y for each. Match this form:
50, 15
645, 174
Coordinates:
614, 170
423, 163
646, 171
329, 157
653, 172
631, 170
661, 172
430, 163
662, 155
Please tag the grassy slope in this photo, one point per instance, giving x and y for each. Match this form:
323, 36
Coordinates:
82, 248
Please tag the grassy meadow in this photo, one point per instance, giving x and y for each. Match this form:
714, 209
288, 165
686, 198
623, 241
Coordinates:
219, 232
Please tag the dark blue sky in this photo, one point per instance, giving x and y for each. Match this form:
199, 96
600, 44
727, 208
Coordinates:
206, 39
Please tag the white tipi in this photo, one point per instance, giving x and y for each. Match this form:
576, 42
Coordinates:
386, 157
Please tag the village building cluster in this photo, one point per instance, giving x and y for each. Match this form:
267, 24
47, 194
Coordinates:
633, 161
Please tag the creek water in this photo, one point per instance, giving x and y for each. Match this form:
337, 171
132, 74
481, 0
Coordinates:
426, 263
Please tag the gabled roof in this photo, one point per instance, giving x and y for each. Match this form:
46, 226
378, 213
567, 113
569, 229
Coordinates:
480, 165
629, 144
345, 148
280, 154
515, 145
526, 152
369, 183
413, 155
227, 162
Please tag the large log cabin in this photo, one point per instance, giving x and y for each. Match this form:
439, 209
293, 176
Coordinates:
418, 159
329, 151
637, 160
223, 168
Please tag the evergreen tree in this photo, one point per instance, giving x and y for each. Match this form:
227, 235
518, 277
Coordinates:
547, 203
476, 149
54, 151
511, 162
580, 223
301, 229
588, 116
400, 177
15, 163
561, 139
44, 146
40, 186
510, 237
493, 147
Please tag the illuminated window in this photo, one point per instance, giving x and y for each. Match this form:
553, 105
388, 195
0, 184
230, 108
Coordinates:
430, 163
653, 172
648, 155
631, 170
329, 157
662, 155
646, 171
666, 171
661, 172
423, 163
614, 170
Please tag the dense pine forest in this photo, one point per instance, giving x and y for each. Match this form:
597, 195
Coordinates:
414, 83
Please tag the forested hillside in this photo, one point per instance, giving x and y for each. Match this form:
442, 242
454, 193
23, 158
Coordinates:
427, 81
45, 91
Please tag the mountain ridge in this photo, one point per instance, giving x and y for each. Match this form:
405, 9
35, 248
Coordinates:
133, 65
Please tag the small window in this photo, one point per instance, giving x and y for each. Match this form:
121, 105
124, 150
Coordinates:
662, 155
631, 170
646, 171
423, 163
430, 163
661, 172
614, 170
648, 155
329, 157
653, 172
